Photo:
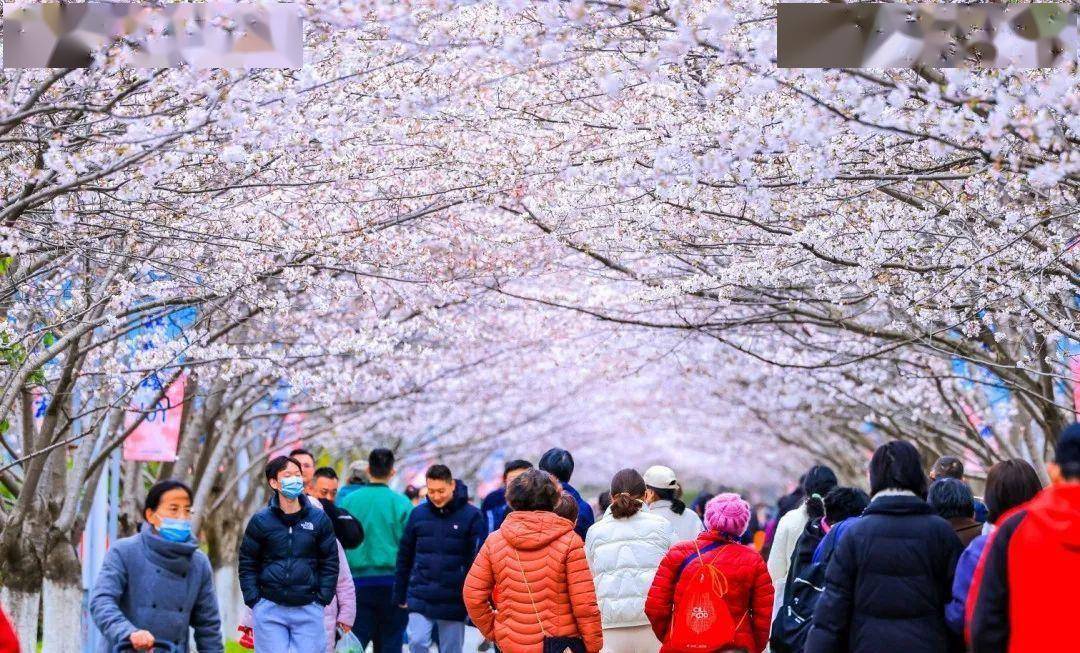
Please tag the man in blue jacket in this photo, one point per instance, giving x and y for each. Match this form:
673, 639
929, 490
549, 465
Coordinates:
440, 542
560, 464
288, 565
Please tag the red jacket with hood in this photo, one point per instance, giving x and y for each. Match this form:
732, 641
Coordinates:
1022, 596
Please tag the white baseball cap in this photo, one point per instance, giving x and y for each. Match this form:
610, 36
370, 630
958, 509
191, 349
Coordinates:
660, 477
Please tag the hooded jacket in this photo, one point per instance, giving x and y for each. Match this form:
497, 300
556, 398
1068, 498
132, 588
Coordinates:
292, 559
1023, 593
749, 595
888, 581
436, 551
623, 555
531, 578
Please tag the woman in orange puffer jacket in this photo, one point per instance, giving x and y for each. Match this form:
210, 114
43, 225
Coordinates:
530, 579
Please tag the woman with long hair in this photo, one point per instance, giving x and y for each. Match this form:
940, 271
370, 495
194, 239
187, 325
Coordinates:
624, 550
664, 496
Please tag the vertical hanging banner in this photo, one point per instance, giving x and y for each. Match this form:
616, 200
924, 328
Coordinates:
156, 438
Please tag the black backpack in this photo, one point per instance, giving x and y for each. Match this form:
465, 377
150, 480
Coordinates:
805, 583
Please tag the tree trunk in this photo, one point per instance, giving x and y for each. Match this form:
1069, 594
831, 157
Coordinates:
23, 609
62, 598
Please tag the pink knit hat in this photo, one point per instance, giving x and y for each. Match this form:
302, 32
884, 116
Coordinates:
727, 514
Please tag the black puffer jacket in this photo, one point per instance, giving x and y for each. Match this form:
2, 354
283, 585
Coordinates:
436, 553
887, 583
289, 559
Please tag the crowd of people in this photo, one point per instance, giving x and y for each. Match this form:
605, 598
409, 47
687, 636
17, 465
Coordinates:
918, 563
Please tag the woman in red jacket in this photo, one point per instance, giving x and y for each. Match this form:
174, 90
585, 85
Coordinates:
749, 594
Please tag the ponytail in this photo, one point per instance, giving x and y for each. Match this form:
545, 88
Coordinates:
627, 492
623, 505
678, 506
815, 506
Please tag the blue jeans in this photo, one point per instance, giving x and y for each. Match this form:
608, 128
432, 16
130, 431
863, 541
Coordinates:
378, 620
451, 634
288, 629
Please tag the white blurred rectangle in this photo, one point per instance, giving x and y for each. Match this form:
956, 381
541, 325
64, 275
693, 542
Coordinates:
200, 35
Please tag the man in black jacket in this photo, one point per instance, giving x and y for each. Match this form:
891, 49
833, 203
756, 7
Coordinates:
323, 486
288, 565
437, 549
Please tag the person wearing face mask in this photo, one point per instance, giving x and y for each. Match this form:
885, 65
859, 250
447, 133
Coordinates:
288, 565
156, 585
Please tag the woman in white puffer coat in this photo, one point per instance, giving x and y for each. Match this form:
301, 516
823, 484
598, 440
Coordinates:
624, 550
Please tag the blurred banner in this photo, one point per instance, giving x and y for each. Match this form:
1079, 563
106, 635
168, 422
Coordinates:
201, 35
157, 436
875, 35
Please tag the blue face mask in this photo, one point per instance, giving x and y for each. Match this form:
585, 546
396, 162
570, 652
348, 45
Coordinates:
175, 530
291, 487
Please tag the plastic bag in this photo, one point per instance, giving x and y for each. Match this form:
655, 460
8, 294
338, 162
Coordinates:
348, 643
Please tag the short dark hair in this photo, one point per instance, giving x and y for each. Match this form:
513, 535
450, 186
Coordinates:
1067, 452
381, 462
302, 452
897, 465
439, 473
566, 507
844, 503
158, 490
604, 500
276, 465
325, 472
559, 463
533, 490
412, 491
1009, 483
951, 497
515, 465
948, 467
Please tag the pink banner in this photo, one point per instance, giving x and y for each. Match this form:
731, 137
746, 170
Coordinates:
156, 438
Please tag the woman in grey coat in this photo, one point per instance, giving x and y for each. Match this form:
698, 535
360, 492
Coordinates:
155, 585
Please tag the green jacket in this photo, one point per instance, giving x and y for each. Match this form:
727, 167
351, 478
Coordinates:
383, 514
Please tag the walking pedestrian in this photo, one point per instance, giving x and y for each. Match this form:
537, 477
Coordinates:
494, 504
699, 503
791, 626
560, 464
437, 549
739, 578
953, 467
890, 575
382, 514
816, 483
624, 550
155, 586
530, 582
357, 478
288, 565
1023, 591
663, 496
324, 488
954, 502
1009, 483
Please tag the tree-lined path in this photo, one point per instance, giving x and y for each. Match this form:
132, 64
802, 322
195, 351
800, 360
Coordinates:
473, 230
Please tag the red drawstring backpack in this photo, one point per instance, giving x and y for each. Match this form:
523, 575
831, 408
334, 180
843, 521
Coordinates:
701, 620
